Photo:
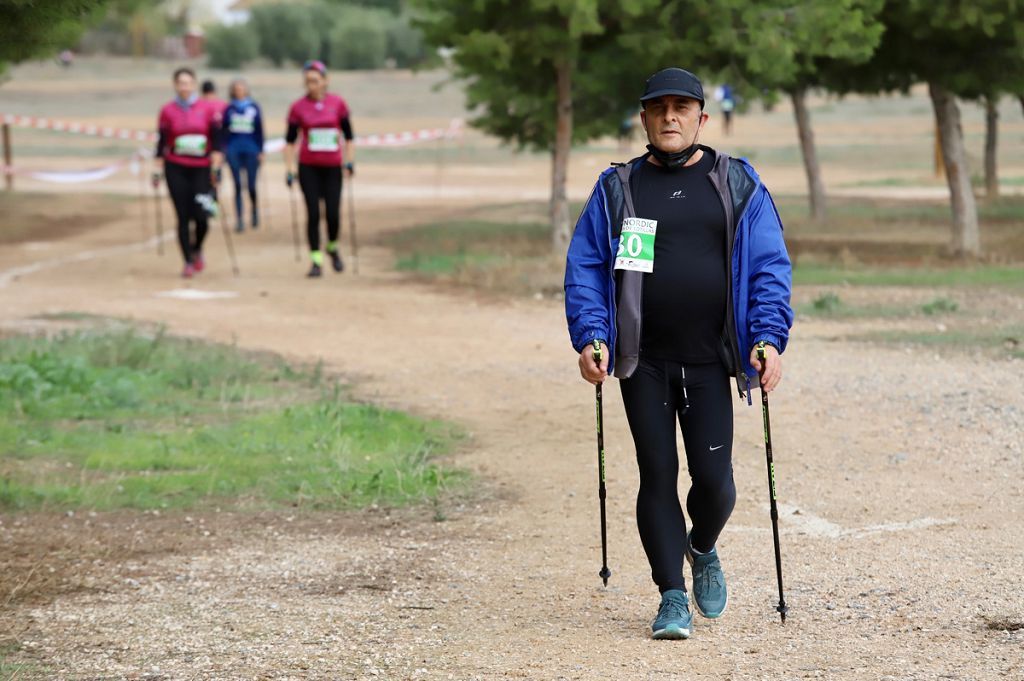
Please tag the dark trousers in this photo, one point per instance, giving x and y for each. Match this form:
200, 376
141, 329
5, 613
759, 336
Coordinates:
654, 402
247, 161
184, 183
321, 183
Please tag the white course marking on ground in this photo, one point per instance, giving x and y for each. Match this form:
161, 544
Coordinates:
195, 294
801, 521
9, 275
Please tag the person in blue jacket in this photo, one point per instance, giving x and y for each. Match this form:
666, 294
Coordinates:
243, 147
677, 270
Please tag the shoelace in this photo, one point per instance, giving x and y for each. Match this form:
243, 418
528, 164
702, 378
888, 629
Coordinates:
674, 608
709, 574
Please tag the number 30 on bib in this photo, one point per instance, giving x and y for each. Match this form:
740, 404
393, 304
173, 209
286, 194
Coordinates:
636, 245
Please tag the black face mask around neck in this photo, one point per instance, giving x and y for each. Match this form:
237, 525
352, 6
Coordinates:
675, 159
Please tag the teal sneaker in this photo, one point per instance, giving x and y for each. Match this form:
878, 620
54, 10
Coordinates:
674, 618
709, 593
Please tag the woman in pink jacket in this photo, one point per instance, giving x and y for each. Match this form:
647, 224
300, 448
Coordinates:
188, 155
323, 120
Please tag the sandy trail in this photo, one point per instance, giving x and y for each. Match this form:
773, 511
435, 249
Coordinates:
899, 477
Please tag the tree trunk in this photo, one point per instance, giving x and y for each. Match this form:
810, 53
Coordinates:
561, 228
1021, 98
815, 184
991, 139
966, 237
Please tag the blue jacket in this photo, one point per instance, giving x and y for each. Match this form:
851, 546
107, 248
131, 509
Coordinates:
243, 127
606, 305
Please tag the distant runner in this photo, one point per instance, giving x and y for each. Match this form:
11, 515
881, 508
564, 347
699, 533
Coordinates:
323, 119
188, 154
243, 129
677, 265
210, 97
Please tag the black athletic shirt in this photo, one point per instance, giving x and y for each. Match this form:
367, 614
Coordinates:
684, 297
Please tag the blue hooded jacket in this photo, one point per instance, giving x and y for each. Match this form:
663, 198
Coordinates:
243, 126
760, 281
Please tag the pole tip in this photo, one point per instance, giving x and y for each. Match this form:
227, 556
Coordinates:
605, 574
782, 612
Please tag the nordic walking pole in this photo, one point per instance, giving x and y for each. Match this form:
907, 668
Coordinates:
782, 609
295, 223
602, 493
159, 214
143, 211
227, 237
266, 198
352, 226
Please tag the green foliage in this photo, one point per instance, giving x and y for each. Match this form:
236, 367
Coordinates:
829, 275
359, 39
766, 44
345, 35
230, 47
31, 29
969, 48
286, 32
507, 51
119, 419
940, 306
827, 302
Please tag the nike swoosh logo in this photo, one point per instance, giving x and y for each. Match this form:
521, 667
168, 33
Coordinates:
716, 448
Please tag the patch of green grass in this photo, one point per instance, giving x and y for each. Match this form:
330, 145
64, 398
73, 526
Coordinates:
16, 670
498, 255
117, 418
827, 302
981, 275
830, 305
845, 213
893, 182
1006, 341
940, 306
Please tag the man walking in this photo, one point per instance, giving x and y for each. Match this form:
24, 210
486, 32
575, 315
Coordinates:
678, 265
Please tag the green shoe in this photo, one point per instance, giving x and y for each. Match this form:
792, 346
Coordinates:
674, 618
709, 593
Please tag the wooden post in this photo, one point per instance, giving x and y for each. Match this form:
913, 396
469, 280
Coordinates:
8, 174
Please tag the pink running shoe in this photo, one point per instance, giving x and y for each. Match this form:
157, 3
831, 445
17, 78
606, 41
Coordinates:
198, 263
189, 271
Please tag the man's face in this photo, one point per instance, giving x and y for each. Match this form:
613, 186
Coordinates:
672, 122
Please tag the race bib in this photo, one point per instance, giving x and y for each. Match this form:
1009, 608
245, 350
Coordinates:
636, 245
242, 124
190, 145
323, 139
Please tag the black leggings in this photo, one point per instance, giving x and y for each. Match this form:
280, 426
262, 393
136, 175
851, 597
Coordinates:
654, 400
184, 183
321, 182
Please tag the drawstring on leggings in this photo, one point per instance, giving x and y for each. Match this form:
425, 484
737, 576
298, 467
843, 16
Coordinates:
686, 398
668, 388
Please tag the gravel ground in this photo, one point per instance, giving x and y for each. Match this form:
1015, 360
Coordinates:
898, 470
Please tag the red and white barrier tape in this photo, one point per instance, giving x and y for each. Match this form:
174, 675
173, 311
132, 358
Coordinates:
79, 128
77, 176
399, 139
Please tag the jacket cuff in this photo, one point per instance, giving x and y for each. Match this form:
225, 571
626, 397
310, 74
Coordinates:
587, 338
772, 340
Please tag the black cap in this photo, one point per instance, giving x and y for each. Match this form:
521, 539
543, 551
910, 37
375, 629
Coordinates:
674, 81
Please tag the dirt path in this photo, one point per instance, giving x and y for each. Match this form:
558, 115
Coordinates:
899, 474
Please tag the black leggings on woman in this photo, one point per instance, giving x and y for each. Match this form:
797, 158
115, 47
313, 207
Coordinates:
654, 399
321, 182
184, 183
